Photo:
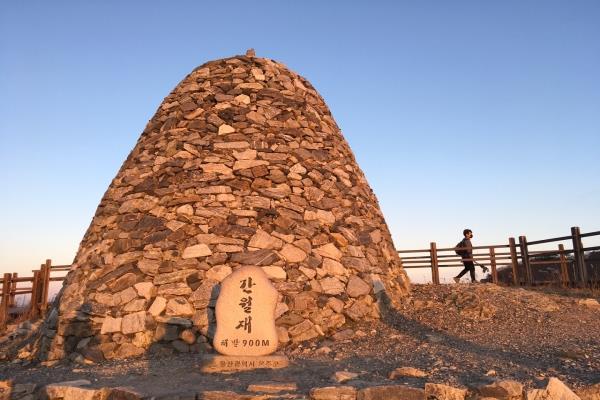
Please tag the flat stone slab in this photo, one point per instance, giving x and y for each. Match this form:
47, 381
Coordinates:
273, 387
221, 363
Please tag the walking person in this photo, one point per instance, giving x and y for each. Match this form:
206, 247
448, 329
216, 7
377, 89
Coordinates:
465, 251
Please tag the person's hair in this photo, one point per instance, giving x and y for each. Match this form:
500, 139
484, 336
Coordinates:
467, 231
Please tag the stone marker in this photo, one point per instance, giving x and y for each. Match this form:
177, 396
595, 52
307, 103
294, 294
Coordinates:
245, 314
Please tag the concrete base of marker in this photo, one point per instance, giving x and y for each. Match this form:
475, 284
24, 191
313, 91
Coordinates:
220, 363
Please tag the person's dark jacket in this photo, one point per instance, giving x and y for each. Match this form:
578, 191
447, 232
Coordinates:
468, 248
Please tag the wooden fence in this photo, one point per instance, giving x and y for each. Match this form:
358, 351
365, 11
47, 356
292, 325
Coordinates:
519, 256
37, 286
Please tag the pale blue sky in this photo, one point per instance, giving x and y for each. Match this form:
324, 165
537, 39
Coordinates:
462, 114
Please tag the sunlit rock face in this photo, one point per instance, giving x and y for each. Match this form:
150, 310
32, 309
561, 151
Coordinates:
242, 164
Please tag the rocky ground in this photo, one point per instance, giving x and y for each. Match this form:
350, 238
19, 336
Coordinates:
461, 335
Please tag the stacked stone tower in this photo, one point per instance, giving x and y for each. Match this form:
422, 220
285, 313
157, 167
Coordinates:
242, 164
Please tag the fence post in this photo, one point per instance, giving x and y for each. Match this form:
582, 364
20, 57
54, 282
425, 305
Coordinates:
435, 272
493, 265
13, 289
514, 260
525, 259
45, 285
35, 288
578, 255
6, 286
564, 273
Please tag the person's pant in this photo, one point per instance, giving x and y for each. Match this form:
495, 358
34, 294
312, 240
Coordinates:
469, 267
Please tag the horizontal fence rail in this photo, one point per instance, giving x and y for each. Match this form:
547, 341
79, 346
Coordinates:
518, 257
37, 286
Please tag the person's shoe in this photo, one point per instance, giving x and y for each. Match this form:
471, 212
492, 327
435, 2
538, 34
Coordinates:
456, 279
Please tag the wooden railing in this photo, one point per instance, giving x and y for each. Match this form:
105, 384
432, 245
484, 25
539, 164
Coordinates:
37, 286
519, 256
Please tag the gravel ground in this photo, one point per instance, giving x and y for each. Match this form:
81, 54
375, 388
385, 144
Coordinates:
463, 335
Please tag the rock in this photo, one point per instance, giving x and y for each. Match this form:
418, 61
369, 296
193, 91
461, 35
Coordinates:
435, 391
127, 350
407, 371
310, 273
330, 251
188, 336
245, 312
124, 296
273, 387
124, 393
391, 392
72, 390
174, 289
226, 129
263, 240
259, 257
323, 350
590, 303
282, 334
110, 325
303, 331
145, 289
198, 250
555, 390
589, 393
142, 339
247, 164
137, 205
158, 306
5, 390
275, 273
357, 287
292, 254
242, 98
206, 292
179, 306
334, 268
180, 321
333, 393
343, 376
506, 389
335, 304
149, 267
218, 272
358, 311
185, 209
331, 286
132, 323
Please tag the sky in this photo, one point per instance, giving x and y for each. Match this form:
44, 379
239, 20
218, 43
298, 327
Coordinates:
462, 114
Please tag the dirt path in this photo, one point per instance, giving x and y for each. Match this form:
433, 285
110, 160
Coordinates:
462, 335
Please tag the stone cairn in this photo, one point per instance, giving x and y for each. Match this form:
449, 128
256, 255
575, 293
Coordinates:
242, 164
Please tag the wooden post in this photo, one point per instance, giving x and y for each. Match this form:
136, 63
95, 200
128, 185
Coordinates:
13, 289
493, 265
45, 286
578, 256
525, 259
35, 288
435, 271
514, 260
564, 273
6, 286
